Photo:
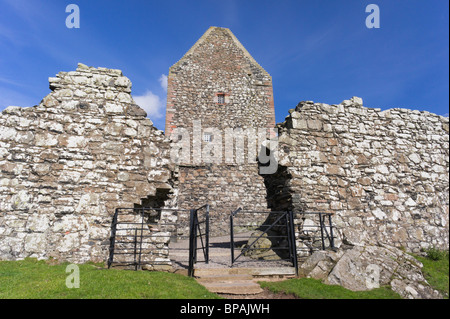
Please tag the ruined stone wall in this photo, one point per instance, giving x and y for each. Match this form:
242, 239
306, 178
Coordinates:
218, 84
87, 148
67, 163
384, 174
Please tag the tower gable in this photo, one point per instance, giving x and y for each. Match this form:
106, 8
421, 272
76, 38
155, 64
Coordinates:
219, 79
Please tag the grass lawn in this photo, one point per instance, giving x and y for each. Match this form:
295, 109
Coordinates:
435, 269
32, 279
308, 288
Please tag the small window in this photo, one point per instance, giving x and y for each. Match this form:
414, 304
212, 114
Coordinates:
221, 98
207, 137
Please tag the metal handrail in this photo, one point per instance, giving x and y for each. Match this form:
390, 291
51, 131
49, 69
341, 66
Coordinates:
290, 231
194, 226
137, 237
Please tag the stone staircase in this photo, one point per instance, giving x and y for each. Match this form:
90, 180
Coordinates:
219, 276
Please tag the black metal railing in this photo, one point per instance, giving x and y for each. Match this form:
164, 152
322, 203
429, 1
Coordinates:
323, 229
196, 235
134, 232
141, 236
146, 236
315, 230
272, 235
273, 240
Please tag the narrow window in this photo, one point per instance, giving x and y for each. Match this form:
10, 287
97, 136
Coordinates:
221, 98
207, 137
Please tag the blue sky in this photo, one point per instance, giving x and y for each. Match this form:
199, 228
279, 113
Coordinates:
317, 50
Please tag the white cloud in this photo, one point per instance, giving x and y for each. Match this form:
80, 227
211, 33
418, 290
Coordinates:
163, 81
154, 104
151, 103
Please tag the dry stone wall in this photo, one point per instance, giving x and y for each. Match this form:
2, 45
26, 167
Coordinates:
384, 174
68, 162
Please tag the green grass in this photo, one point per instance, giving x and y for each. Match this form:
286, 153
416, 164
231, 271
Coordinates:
436, 269
308, 288
32, 279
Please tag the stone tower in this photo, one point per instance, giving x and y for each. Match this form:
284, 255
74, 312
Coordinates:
214, 90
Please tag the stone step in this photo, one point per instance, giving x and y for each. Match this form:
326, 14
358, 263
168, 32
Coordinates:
235, 288
239, 281
211, 254
231, 284
255, 272
224, 278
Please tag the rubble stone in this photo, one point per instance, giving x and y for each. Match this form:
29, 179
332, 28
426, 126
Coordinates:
64, 168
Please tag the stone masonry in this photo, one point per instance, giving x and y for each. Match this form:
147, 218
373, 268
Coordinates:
67, 163
219, 64
87, 149
218, 86
383, 174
